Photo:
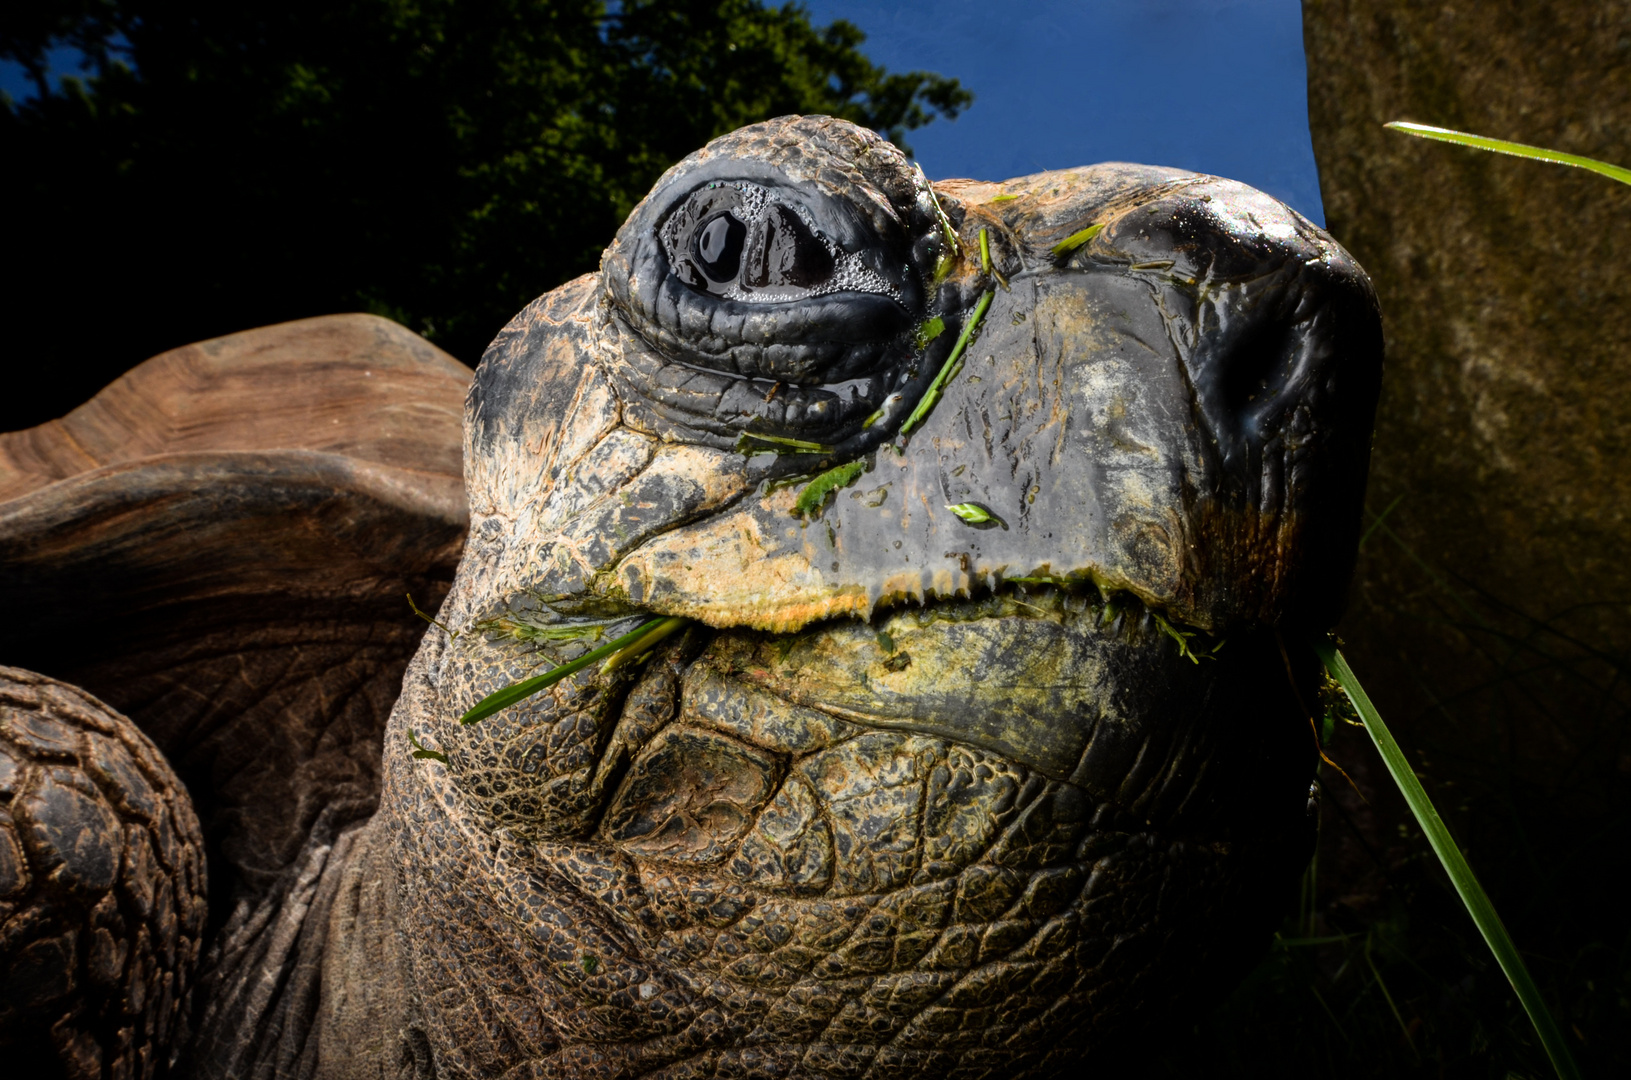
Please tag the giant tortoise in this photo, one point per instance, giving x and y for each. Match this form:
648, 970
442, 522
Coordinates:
953, 552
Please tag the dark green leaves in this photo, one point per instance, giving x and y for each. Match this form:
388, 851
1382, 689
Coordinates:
439, 163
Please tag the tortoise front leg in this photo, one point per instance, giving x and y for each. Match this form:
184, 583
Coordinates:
101, 888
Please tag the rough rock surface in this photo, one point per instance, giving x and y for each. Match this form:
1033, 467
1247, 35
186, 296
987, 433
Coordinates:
1505, 421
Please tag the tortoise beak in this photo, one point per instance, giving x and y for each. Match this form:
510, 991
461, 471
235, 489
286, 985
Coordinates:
1179, 409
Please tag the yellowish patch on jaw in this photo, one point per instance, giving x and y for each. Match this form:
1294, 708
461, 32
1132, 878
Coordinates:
721, 574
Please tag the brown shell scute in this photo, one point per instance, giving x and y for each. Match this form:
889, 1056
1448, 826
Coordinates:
101, 885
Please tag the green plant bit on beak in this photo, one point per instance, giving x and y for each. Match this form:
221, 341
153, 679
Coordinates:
1005, 198
524, 689
931, 396
420, 751
1076, 240
776, 444
929, 331
1455, 864
1502, 146
974, 513
986, 265
814, 495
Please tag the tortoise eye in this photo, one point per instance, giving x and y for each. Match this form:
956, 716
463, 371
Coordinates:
719, 247
751, 243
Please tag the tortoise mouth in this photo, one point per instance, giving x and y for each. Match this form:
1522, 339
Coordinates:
1030, 668
1031, 671
1115, 614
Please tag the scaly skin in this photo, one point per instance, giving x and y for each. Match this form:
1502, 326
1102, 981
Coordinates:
881, 810
101, 887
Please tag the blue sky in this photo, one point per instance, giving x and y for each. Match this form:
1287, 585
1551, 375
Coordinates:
1216, 86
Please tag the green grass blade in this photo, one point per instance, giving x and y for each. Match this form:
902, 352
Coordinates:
422, 752
932, 395
752, 442
524, 689
1502, 146
1461, 875
641, 647
1076, 240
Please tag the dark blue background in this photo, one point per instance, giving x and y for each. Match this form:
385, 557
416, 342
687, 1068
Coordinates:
1212, 85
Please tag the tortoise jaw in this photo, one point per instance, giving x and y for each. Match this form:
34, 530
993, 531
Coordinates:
1059, 681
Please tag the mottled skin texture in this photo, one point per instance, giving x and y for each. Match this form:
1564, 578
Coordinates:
880, 809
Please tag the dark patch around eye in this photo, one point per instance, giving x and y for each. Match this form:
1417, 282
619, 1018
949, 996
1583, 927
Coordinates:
784, 252
719, 247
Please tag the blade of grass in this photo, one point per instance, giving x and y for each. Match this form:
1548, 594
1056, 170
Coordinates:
1387, 996
524, 689
1076, 240
640, 646
1461, 875
1502, 146
745, 444
438, 623
422, 752
931, 396
986, 265
1379, 519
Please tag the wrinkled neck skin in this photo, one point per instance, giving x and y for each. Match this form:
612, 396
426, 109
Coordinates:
881, 809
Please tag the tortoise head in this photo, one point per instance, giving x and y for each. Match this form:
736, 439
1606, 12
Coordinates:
993, 508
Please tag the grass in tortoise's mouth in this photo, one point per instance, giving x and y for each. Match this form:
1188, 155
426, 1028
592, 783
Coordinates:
1117, 614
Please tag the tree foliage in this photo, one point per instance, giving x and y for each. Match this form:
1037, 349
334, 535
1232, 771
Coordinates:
223, 166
